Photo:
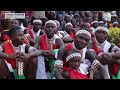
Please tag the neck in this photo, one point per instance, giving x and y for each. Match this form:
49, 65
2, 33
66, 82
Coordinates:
35, 30
50, 37
101, 42
15, 44
68, 32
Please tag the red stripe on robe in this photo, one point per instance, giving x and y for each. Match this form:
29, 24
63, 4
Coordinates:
43, 44
68, 47
75, 74
114, 69
8, 49
30, 32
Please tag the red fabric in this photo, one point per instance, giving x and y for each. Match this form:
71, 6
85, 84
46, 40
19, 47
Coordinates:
9, 50
72, 35
68, 47
43, 44
30, 32
114, 69
75, 74
6, 37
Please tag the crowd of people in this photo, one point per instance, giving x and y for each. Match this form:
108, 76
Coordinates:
60, 45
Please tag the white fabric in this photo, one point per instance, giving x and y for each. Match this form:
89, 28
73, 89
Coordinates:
105, 49
56, 37
94, 22
115, 23
41, 71
107, 16
36, 34
39, 21
9, 66
22, 27
61, 33
57, 22
48, 75
101, 22
86, 63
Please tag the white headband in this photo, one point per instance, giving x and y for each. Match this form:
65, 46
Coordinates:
68, 24
37, 21
72, 55
83, 31
115, 23
101, 22
51, 21
102, 28
94, 22
57, 22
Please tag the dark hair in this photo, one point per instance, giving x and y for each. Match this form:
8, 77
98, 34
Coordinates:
13, 30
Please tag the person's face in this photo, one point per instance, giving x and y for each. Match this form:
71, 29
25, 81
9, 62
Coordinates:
89, 19
18, 37
87, 26
36, 26
50, 29
95, 25
114, 19
73, 21
81, 41
68, 28
27, 19
60, 17
74, 62
15, 23
101, 24
67, 18
76, 18
101, 36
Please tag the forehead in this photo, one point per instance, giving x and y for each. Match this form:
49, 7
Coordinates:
19, 31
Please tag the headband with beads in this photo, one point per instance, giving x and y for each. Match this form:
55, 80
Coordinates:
102, 28
51, 21
72, 55
83, 31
